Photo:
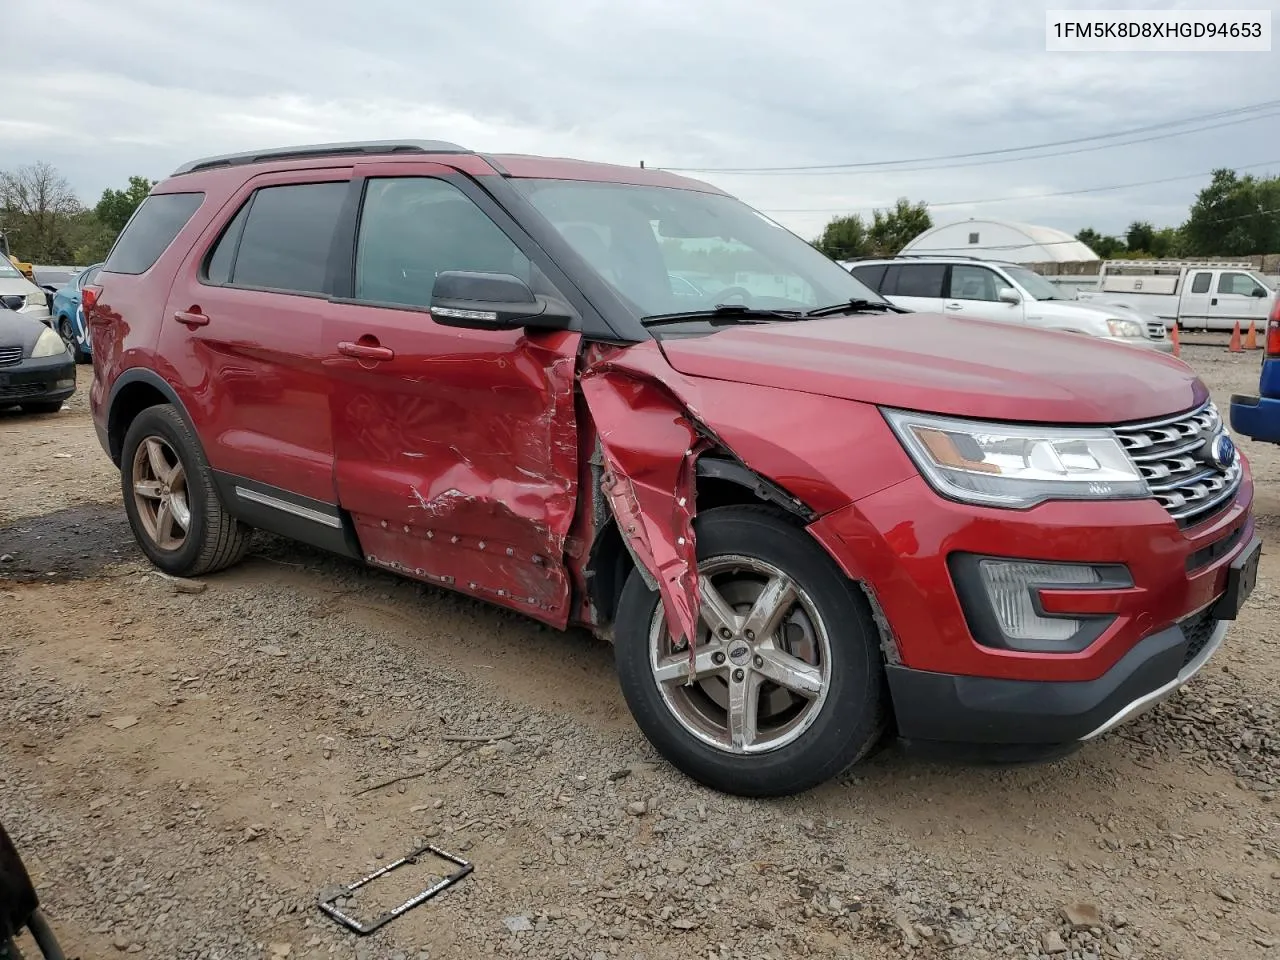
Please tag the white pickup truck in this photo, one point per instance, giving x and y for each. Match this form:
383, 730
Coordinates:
1205, 295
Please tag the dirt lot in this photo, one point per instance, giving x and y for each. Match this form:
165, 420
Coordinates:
181, 772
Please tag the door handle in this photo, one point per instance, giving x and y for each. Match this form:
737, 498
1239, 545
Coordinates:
953, 306
1213, 302
191, 318
366, 351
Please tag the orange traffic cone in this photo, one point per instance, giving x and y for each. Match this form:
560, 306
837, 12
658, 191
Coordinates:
1235, 340
1251, 341
1177, 344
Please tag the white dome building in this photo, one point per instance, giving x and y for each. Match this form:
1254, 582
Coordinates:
1000, 240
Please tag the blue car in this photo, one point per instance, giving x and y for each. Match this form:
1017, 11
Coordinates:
68, 317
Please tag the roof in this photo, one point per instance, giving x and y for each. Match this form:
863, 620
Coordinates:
512, 165
1058, 244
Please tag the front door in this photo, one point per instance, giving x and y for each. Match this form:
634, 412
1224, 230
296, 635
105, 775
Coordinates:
242, 330
975, 292
1238, 298
456, 449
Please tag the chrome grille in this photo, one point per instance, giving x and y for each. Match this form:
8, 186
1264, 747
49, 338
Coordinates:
1171, 455
1156, 331
10, 355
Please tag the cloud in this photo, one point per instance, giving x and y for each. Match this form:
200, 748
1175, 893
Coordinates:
140, 86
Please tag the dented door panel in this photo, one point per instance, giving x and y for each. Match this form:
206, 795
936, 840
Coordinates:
457, 459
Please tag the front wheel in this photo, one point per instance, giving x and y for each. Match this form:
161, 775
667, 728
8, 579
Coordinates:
788, 686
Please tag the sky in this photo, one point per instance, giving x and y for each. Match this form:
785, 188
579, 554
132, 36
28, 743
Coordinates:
106, 90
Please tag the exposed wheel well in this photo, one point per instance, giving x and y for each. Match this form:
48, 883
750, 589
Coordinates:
131, 401
611, 562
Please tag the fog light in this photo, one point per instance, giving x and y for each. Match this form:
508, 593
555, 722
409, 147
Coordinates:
1011, 586
63, 384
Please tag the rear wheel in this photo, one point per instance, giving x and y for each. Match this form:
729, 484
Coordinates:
789, 685
68, 334
173, 506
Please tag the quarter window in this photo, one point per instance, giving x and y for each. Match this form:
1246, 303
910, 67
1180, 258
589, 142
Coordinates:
149, 232
1201, 283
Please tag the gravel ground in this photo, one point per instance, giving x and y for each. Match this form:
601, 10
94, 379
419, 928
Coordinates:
184, 773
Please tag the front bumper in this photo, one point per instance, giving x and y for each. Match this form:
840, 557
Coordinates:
1142, 343
938, 708
42, 380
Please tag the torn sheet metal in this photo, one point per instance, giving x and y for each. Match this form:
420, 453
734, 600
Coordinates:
650, 449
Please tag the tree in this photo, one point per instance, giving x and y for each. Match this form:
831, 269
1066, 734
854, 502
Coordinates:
844, 238
35, 204
1104, 246
891, 230
1141, 236
117, 206
1234, 216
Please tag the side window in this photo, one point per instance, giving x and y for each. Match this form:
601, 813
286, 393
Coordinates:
218, 268
1237, 283
1201, 283
921, 279
889, 285
149, 232
974, 283
284, 240
415, 228
871, 274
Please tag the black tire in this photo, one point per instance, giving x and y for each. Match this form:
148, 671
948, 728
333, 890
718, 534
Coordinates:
42, 406
69, 337
850, 721
215, 539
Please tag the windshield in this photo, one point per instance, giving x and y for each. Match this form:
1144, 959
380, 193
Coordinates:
1037, 286
666, 250
8, 270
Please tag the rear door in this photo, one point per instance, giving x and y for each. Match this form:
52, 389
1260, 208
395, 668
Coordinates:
456, 449
242, 330
1193, 306
916, 286
974, 291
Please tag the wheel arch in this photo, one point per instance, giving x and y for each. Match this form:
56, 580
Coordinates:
134, 391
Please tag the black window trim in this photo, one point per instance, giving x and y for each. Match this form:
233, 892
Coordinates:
342, 255
302, 180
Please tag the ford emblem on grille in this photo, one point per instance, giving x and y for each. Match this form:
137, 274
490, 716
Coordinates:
1222, 451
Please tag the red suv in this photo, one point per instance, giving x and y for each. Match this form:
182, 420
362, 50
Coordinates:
619, 398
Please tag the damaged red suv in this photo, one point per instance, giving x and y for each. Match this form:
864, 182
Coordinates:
619, 398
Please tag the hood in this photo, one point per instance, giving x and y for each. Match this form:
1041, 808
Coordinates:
19, 285
17, 329
959, 367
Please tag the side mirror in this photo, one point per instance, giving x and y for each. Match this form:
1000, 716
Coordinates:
1258, 292
1009, 295
493, 301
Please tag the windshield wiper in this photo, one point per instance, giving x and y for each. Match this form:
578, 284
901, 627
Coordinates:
856, 305
723, 314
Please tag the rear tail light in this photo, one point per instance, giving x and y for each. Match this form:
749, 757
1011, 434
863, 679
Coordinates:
89, 300
1273, 329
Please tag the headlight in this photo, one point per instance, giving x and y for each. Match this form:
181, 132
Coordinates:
1006, 465
1125, 328
49, 345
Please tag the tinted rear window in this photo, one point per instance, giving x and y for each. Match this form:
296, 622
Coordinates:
872, 275
921, 279
152, 229
285, 244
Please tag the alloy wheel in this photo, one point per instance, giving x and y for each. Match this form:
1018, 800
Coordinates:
160, 493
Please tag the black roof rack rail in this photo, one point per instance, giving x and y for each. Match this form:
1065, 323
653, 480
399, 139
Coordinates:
939, 256
312, 150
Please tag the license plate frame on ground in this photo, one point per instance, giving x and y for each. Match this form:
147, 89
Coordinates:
1242, 577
